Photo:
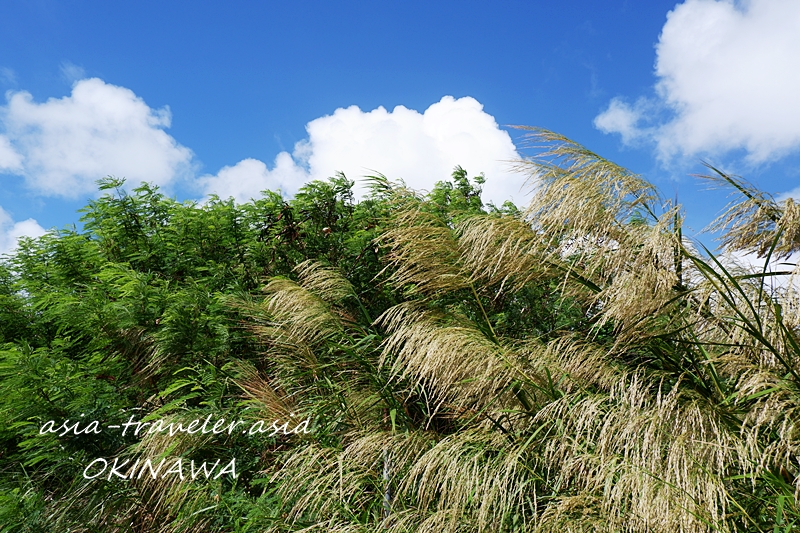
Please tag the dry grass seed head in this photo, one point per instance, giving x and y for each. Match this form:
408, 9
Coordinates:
656, 462
325, 282
299, 313
473, 479
477, 477
754, 221
642, 279
580, 195
269, 398
501, 250
573, 363
424, 253
457, 363
329, 484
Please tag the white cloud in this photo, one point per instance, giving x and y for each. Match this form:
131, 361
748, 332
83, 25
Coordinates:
8, 76
64, 145
10, 231
9, 158
727, 73
72, 72
794, 194
247, 178
420, 148
624, 119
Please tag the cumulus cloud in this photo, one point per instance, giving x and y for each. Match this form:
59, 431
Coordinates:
62, 146
420, 148
624, 119
10, 231
247, 178
727, 80
9, 158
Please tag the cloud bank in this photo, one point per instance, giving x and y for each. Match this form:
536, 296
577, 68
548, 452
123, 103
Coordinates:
420, 148
62, 146
247, 178
728, 79
10, 231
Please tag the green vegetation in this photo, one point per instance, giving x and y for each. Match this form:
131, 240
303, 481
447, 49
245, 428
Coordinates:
574, 366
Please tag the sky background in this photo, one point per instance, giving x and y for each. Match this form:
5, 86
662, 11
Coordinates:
236, 97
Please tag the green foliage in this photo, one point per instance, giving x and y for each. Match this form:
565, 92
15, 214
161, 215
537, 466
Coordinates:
459, 196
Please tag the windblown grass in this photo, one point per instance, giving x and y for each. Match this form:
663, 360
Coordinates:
667, 402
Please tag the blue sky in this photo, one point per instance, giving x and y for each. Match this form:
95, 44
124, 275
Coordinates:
236, 97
